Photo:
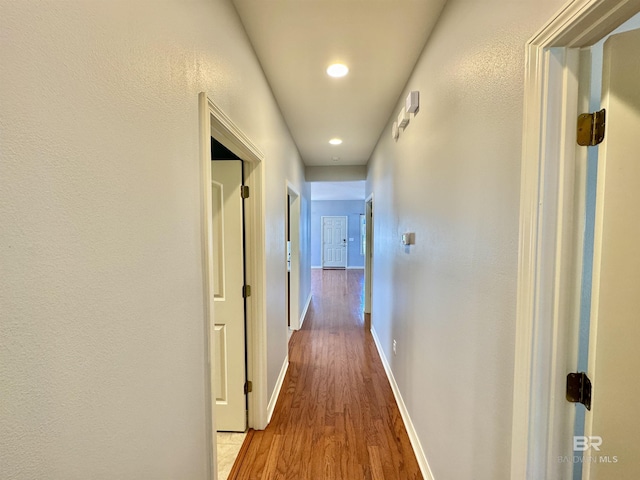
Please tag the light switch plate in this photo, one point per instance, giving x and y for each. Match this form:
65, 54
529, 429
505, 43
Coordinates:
403, 119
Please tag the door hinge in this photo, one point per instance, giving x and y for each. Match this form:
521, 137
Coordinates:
244, 191
579, 389
248, 387
591, 128
246, 291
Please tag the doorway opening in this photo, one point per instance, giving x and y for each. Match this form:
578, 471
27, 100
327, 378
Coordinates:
552, 257
292, 235
215, 123
333, 198
230, 342
368, 260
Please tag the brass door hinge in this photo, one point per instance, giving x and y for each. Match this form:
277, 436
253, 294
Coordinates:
246, 291
248, 387
244, 191
579, 389
591, 128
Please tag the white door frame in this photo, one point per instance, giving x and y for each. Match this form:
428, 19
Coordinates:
214, 122
294, 278
368, 257
551, 92
346, 227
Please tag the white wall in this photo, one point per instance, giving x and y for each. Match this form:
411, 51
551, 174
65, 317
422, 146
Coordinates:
453, 178
102, 324
305, 261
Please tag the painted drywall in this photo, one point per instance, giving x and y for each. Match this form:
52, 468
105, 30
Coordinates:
352, 209
338, 190
453, 178
344, 173
305, 239
102, 327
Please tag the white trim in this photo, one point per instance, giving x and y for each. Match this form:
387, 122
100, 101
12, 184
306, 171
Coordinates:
368, 258
406, 418
214, 122
304, 311
294, 277
207, 272
276, 391
542, 219
318, 267
227, 133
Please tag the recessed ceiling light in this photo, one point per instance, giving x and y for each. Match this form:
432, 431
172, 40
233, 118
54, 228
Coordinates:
335, 141
337, 70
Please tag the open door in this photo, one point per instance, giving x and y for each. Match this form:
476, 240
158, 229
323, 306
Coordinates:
288, 239
229, 303
292, 221
610, 442
368, 261
571, 304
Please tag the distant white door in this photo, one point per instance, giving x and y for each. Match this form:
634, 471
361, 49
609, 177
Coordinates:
334, 242
228, 266
614, 356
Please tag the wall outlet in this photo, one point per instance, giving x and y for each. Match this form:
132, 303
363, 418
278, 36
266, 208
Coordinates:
395, 347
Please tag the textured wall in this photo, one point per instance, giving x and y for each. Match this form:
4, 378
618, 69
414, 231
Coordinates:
347, 208
453, 178
102, 328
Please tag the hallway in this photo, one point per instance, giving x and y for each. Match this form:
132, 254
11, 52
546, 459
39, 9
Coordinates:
336, 417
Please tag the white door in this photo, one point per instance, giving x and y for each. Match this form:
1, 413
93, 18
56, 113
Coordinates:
334, 242
229, 372
614, 346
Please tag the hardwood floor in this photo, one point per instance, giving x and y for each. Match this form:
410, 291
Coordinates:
336, 417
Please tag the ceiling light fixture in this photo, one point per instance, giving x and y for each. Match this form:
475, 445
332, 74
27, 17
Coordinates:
337, 70
335, 141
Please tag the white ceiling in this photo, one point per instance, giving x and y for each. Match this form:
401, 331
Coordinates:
338, 190
379, 40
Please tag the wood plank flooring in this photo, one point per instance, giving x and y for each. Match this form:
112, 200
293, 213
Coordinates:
336, 417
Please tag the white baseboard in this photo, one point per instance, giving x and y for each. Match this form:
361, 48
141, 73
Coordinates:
411, 431
304, 311
348, 268
276, 391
